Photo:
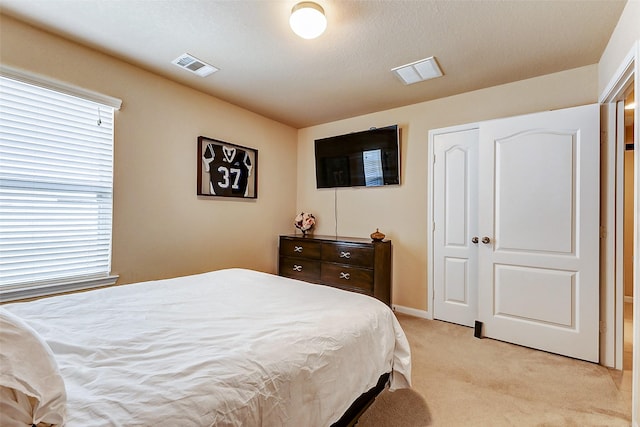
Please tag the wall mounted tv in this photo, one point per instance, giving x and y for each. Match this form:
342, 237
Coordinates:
368, 158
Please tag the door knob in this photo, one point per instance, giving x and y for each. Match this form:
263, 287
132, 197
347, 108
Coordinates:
486, 240
474, 239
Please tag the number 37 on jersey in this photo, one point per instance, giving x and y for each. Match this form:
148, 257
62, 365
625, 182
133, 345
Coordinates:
229, 169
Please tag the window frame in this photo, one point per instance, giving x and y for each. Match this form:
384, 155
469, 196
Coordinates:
12, 292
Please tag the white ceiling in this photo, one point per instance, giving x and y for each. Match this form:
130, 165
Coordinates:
267, 69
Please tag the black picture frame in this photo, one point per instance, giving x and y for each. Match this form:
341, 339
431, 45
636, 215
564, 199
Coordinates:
226, 169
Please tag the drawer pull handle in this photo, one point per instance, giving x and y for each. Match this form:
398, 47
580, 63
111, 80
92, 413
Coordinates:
297, 249
345, 276
345, 255
297, 267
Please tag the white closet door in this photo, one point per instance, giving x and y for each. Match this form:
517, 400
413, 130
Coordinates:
455, 217
539, 221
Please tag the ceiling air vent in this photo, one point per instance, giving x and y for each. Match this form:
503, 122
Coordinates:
193, 64
418, 71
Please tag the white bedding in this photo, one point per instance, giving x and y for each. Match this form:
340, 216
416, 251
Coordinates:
227, 348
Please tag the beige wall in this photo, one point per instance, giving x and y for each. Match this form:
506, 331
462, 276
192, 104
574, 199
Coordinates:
161, 229
627, 31
401, 211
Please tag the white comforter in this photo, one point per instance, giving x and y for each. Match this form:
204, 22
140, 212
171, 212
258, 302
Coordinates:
227, 348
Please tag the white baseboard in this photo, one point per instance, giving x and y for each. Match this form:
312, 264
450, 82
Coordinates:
412, 311
628, 299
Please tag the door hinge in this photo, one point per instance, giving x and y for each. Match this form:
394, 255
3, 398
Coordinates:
603, 327
603, 232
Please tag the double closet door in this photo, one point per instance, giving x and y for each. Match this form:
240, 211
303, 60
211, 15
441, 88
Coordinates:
516, 229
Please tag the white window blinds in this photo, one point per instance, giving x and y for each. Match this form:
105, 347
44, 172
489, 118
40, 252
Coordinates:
56, 181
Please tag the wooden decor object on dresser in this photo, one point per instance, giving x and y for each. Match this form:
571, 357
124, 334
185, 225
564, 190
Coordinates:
353, 264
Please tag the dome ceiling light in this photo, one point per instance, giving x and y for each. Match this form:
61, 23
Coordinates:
307, 20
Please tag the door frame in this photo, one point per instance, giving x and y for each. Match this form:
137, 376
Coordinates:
627, 74
430, 208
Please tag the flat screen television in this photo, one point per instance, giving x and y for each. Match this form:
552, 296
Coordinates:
368, 158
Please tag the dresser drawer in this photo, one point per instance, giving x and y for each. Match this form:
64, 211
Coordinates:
345, 275
348, 254
299, 268
299, 248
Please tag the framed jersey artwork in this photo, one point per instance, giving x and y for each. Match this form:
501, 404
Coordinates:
226, 170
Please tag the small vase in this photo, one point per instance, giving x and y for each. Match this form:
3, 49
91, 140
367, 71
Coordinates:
377, 236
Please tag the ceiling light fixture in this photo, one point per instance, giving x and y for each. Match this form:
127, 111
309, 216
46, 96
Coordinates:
307, 20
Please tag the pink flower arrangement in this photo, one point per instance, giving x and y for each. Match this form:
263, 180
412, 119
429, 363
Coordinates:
304, 222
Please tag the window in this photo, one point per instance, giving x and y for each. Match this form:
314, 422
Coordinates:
372, 160
56, 188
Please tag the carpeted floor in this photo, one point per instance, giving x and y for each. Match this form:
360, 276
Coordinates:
459, 380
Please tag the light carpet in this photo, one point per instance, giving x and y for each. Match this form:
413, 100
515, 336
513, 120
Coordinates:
459, 380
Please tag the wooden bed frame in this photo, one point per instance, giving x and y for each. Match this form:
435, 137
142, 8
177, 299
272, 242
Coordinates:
357, 408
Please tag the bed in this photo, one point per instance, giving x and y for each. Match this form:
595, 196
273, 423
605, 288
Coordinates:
232, 347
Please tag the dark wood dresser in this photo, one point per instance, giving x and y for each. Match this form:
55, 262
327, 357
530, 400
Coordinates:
353, 264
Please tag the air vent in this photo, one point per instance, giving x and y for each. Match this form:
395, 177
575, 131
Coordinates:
418, 71
193, 64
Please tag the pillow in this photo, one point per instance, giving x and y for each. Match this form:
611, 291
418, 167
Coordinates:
31, 388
